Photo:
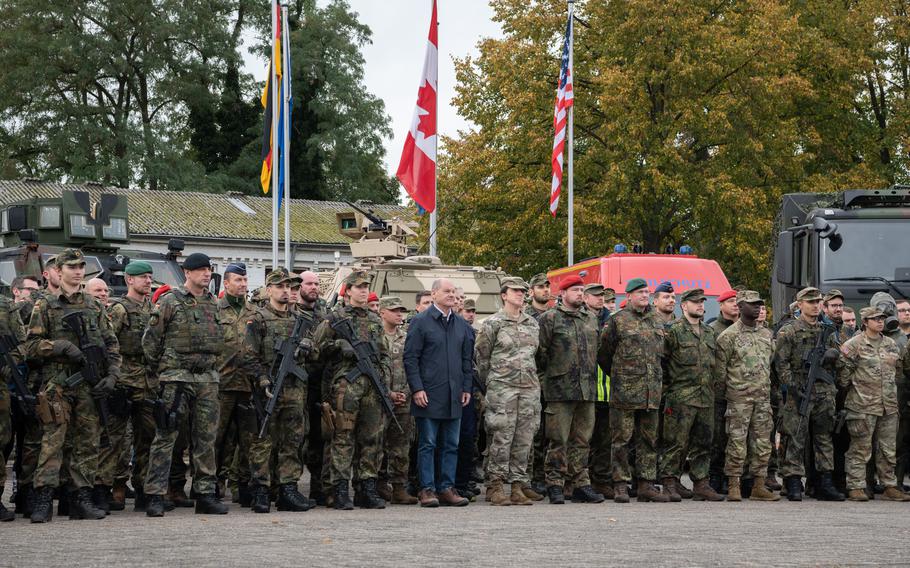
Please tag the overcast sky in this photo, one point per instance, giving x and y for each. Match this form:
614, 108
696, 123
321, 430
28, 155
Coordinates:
394, 62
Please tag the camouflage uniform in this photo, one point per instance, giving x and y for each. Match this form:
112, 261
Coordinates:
689, 396
10, 325
566, 363
867, 370
744, 365
539, 445
632, 344
313, 450
719, 440
183, 344
397, 443
504, 352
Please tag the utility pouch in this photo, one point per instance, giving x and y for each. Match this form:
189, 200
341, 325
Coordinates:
327, 421
43, 409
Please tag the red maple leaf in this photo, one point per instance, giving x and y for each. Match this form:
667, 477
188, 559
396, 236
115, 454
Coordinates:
426, 100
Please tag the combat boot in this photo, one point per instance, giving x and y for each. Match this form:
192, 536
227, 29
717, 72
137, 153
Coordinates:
733, 491
892, 493
858, 495
141, 501
24, 494
400, 496
154, 506
772, 483
290, 499
557, 497
530, 493
371, 499
826, 490
101, 498
794, 488
648, 493
118, 496
82, 507
683, 491
669, 489
342, 498
177, 496
702, 491
208, 504
245, 495
261, 503
745, 487
43, 510
518, 496
585, 494
496, 496
715, 482
384, 489
760, 491
5, 514
604, 489
621, 492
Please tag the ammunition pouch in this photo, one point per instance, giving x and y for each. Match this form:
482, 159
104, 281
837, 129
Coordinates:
56, 411
167, 417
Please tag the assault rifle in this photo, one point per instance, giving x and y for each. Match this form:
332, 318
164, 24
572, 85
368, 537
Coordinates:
284, 364
812, 362
92, 372
24, 397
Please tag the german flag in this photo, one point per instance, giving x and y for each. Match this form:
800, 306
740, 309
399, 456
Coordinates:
265, 176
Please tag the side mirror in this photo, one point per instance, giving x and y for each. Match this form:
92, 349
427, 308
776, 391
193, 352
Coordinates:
828, 231
215, 284
783, 268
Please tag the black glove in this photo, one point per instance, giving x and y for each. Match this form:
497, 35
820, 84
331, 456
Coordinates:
68, 352
830, 356
347, 351
104, 387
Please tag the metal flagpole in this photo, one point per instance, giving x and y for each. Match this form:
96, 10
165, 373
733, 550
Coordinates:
286, 112
274, 94
571, 136
436, 173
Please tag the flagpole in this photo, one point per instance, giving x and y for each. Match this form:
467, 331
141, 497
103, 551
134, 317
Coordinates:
436, 173
285, 158
571, 141
274, 94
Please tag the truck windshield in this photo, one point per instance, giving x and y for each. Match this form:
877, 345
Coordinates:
871, 248
165, 272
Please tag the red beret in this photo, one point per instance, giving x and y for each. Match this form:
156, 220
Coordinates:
162, 290
373, 297
622, 305
571, 281
726, 296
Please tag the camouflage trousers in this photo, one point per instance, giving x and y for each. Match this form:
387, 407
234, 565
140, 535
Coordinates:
688, 432
569, 425
538, 453
133, 410
276, 456
397, 447
719, 440
359, 425
902, 447
601, 463
867, 430
6, 428
749, 426
199, 404
512, 416
795, 433
638, 427
236, 428
74, 436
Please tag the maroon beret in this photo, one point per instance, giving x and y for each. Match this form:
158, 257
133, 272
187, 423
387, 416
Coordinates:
571, 281
726, 296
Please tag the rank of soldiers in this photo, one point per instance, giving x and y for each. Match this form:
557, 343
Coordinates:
110, 399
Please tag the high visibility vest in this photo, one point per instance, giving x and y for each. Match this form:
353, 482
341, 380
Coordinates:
603, 386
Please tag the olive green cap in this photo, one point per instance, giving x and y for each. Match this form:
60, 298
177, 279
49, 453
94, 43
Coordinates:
391, 303
808, 294
749, 297
693, 295
635, 284
609, 294
137, 267
539, 279
280, 276
594, 289
870, 312
70, 256
514, 283
833, 293
470, 305
357, 278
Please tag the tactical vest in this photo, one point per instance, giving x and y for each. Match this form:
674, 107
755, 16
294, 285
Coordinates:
193, 330
130, 337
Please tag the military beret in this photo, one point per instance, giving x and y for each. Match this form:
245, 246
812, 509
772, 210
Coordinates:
749, 297
197, 260
871, 312
236, 268
391, 303
726, 295
280, 276
609, 294
833, 293
470, 305
373, 297
664, 287
69, 256
539, 279
514, 283
570, 282
693, 295
137, 267
635, 284
594, 289
809, 294
357, 278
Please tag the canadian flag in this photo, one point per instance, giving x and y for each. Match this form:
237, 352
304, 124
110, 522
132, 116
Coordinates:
417, 169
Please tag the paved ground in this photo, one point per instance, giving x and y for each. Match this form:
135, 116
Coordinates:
647, 534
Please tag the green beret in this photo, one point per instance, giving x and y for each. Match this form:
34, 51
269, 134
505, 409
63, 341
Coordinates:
635, 284
137, 267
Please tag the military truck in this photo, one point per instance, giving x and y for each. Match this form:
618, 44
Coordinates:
854, 241
34, 230
382, 249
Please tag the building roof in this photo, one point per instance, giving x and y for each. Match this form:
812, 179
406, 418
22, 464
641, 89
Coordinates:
209, 215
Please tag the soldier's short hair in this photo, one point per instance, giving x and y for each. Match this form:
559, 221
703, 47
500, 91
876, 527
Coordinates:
848, 310
19, 281
421, 294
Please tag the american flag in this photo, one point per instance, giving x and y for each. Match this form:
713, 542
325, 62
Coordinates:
564, 99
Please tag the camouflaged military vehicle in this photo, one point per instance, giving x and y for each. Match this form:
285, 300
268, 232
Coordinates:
381, 248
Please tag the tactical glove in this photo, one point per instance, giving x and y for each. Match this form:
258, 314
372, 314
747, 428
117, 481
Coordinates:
104, 387
347, 351
68, 352
830, 356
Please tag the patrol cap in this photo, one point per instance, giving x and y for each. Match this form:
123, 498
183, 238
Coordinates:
137, 267
809, 294
238, 268
749, 297
570, 282
470, 305
197, 260
726, 296
392, 303
635, 284
357, 278
871, 312
70, 256
514, 283
594, 289
280, 276
539, 279
833, 293
51, 261
664, 286
693, 295
609, 294
373, 297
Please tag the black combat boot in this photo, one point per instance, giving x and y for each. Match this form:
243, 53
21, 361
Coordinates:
154, 506
745, 487
586, 494
246, 495
342, 498
43, 509
101, 498
81, 506
141, 501
290, 499
371, 499
826, 490
208, 504
5, 514
554, 492
261, 503
794, 488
